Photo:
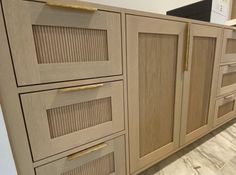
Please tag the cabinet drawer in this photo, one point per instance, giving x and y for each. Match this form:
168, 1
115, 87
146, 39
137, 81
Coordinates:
105, 159
229, 46
225, 109
62, 44
227, 79
59, 120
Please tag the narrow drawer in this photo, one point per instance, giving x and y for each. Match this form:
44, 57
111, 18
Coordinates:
227, 79
62, 44
225, 109
229, 46
104, 159
59, 120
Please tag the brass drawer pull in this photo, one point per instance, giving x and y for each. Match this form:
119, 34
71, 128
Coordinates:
229, 97
73, 89
232, 65
87, 151
73, 6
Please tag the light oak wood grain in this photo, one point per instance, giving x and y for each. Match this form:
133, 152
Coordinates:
11, 108
64, 130
108, 160
229, 49
155, 54
60, 41
200, 82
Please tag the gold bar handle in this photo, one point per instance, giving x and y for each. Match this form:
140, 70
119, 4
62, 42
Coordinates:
87, 151
73, 89
186, 66
73, 6
229, 97
232, 65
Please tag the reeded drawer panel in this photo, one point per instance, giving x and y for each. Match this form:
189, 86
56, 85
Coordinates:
107, 158
62, 44
59, 120
227, 79
229, 46
225, 109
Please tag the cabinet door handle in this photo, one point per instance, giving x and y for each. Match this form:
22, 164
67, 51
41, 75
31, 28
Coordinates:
73, 6
229, 97
232, 65
87, 151
186, 66
73, 89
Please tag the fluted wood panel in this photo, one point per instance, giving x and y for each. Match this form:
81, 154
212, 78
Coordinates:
225, 108
201, 79
228, 79
231, 46
102, 166
68, 119
157, 77
56, 44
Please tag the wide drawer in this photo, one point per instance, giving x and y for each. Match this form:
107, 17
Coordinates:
229, 46
225, 109
54, 43
227, 79
62, 119
107, 158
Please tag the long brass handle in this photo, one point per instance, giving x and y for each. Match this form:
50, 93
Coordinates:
229, 97
87, 151
81, 88
232, 65
187, 48
73, 6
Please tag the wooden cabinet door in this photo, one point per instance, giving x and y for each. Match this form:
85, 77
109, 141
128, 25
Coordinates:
155, 54
52, 44
200, 81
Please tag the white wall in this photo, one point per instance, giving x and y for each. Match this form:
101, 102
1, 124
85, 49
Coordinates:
157, 6
7, 165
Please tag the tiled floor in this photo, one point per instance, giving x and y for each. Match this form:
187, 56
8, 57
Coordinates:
215, 154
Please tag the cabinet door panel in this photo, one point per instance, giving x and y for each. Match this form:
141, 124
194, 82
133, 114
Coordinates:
156, 107
155, 53
200, 82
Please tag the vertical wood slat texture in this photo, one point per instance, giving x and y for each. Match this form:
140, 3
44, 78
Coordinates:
200, 84
231, 46
225, 108
228, 79
56, 44
157, 72
102, 166
68, 119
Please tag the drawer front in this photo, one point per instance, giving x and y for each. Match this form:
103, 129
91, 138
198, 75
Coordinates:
64, 44
229, 46
105, 159
67, 118
227, 79
225, 109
